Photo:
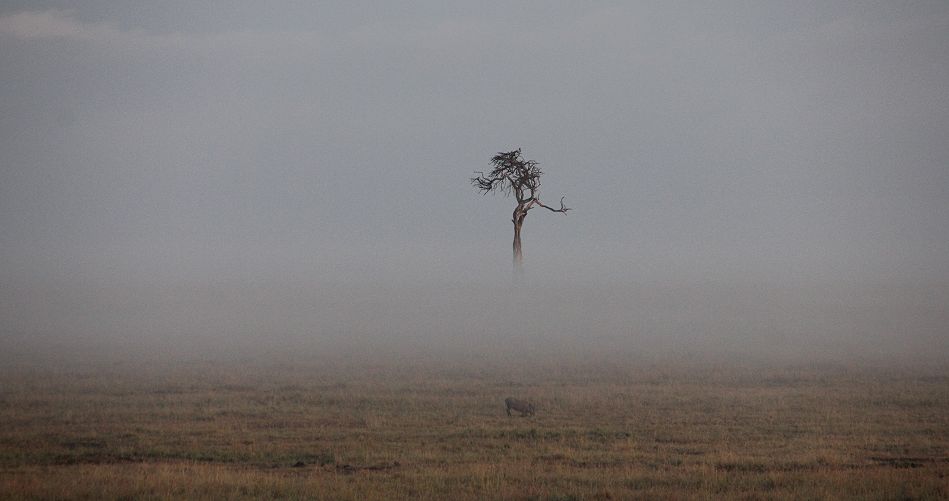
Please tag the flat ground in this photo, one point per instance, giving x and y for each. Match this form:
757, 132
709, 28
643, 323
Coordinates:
436, 429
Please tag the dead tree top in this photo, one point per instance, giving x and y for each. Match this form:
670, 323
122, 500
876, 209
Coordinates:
513, 174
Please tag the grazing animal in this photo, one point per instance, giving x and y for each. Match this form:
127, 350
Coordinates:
525, 408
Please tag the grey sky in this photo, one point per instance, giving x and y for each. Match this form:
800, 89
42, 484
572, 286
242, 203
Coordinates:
159, 144
777, 138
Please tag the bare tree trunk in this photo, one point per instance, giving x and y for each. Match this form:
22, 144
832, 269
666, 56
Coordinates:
518, 257
518, 220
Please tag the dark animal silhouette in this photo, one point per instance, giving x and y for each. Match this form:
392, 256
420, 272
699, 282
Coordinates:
525, 408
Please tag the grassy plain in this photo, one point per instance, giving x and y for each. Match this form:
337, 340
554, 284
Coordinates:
436, 429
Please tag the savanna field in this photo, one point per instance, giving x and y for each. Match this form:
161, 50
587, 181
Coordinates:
436, 428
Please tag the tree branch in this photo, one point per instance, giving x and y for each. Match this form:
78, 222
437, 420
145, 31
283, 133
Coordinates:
561, 209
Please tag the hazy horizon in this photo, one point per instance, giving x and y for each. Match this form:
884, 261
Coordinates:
749, 178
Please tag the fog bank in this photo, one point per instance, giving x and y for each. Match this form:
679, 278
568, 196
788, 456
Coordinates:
281, 320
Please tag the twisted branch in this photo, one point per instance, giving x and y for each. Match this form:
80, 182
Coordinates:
561, 209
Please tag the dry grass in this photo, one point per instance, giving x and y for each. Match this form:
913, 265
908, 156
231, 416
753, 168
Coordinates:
437, 430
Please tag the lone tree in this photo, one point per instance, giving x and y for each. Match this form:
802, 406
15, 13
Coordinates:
513, 174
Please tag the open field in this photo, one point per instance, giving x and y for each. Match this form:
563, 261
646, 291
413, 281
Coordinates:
436, 429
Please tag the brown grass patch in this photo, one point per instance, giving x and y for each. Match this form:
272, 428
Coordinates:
436, 431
